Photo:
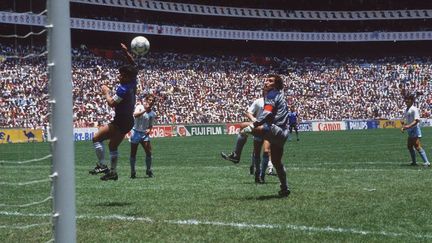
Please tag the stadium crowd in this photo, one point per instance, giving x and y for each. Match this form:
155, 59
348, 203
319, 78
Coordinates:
216, 89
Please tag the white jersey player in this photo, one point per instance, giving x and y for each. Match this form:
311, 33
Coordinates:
258, 166
255, 110
412, 126
144, 118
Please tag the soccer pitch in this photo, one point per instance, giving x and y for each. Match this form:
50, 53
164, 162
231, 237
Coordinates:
348, 186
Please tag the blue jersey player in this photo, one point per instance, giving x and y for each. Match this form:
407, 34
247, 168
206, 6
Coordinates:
140, 134
123, 102
272, 126
293, 121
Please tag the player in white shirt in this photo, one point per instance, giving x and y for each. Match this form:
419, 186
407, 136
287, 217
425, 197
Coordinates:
255, 110
411, 124
144, 118
257, 167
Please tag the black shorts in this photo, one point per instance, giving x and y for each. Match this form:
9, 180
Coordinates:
123, 123
292, 125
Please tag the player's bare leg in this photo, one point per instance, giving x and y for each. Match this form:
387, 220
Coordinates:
148, 150
132, 159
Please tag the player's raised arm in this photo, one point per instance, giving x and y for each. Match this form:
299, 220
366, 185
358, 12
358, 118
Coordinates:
106, 92
127, 54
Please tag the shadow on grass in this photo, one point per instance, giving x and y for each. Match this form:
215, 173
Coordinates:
141, 178
253, 182
114, 204
269, 197
266, 197
414, 167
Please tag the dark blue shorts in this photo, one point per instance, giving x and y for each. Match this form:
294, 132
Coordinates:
123, 123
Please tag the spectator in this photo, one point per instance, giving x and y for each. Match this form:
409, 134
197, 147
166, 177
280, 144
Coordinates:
210, 89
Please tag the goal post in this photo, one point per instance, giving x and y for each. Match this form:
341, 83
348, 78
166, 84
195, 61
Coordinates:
61, 119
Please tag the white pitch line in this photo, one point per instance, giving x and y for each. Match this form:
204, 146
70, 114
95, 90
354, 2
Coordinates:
27, 204
25, 161
115, 217
23, 227
24, 183
235, 225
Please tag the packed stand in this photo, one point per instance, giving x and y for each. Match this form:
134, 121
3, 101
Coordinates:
217, 89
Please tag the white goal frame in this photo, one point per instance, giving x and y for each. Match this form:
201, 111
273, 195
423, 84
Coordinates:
61, 120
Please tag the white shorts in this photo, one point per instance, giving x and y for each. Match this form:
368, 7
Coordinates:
138, 137
414, 132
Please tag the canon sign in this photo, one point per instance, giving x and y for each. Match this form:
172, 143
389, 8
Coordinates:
328, 126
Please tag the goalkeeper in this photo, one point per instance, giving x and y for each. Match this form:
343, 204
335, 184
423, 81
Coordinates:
272, 126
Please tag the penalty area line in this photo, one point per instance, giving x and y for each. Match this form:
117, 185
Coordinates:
192, 222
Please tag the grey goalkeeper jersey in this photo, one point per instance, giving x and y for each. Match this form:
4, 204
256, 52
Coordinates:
275, 109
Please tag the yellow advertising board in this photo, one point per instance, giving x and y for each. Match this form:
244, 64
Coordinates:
390, 123
21, 135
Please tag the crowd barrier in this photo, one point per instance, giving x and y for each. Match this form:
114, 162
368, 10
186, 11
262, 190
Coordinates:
160, 131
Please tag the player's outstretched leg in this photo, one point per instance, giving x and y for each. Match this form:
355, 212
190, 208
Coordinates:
235, 156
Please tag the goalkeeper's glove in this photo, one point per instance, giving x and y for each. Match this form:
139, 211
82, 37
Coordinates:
247, 129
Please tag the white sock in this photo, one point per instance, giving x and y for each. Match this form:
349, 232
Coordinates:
100, 152
270, 165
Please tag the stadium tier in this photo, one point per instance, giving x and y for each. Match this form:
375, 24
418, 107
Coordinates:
218, 89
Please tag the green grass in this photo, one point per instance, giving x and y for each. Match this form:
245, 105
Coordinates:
350, 186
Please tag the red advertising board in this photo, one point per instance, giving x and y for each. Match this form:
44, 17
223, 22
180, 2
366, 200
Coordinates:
232, 128
161, 131
157, 132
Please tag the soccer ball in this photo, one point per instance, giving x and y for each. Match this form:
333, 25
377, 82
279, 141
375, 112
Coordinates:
140, 45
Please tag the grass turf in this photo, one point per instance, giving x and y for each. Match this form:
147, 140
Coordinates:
346, 186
